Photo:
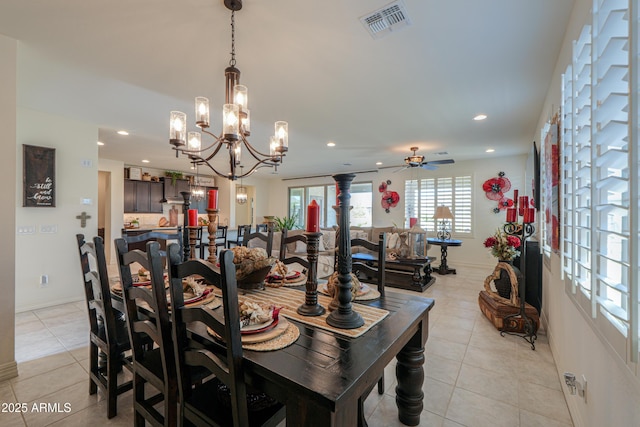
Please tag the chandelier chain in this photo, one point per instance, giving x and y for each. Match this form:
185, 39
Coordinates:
232, 61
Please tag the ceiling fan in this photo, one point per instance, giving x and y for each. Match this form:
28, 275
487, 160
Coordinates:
416, 160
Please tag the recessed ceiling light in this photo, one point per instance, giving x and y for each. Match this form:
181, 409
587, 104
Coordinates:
123, 132
480, 117
331, 144
378, 163
145, 161
489, 150
100, 143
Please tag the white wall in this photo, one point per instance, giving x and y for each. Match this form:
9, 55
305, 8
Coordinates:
55, 254
8, 162
613, 396
472, 252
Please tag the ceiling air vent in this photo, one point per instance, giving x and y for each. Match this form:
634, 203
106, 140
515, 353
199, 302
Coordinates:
391, 17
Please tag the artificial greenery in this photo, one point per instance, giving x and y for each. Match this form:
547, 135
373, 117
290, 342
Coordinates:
175, 175
286, 223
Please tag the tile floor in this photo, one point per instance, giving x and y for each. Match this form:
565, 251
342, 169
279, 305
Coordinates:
473, 376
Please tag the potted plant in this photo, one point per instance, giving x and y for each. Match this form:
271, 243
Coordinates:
174, 175
286, 223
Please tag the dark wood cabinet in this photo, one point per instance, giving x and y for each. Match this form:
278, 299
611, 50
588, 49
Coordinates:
143, 196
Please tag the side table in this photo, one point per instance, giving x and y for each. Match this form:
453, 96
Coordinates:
444, 244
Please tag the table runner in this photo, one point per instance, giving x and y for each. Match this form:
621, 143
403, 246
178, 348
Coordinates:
291, 299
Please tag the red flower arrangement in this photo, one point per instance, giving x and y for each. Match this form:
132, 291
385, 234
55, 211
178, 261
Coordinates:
390, 199
503, 246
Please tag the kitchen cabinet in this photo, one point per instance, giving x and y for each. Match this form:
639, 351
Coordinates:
143, 196
172, 190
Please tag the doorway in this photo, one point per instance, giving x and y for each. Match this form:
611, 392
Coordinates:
245, 213
104, 211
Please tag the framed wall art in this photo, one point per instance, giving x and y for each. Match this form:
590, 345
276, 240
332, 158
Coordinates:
38, 176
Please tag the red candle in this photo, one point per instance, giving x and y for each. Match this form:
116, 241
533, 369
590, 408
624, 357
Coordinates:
529, 215
523, 204
313, 217
511, 215
213, 199
337, 192
193, 217
515, 196
412, 222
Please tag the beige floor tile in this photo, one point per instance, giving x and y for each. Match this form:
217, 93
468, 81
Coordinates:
436, 396
544, 401
500, 387
474, 410
530, 419
49, 382
25, 316
42, 365
445, 348
492, 360
458, 335
60, 404
37, 348
453, 321
442, 369
56, 311
449, 423
541, 373
386, 415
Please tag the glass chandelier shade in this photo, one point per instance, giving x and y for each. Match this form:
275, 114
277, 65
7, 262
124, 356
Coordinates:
236, 126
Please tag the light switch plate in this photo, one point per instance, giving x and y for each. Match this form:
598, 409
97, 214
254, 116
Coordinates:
26, 229
49, 229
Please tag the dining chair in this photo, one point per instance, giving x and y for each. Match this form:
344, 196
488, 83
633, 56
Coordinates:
262, 227
108, 330
284, 257
226, 399
221, 237
242, 230
266, 238
161, 236
369, 271
147, 316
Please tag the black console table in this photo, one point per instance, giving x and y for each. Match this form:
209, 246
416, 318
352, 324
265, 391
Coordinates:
444, 244
402, 273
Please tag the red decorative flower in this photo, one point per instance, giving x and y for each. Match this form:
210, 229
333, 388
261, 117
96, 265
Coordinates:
505, 203
489, 242
513, 241
390, 199
382, 187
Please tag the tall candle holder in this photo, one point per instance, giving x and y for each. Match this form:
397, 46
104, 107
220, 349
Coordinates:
193, 234
186, 196
212, 228
311, 306
343, 316
523, 231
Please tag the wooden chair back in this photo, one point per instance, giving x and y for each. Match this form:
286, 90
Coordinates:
107, 331
267, 238
242, 230
284, 257
148, 321
161, 236
377, 271
224, 362
221, 236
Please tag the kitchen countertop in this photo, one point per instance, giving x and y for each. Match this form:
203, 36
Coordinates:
150, 228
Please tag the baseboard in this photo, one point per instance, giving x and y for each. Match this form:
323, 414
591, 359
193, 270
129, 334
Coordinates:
8, 370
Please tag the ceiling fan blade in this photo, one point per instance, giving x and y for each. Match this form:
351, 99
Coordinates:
428, 166
439, 162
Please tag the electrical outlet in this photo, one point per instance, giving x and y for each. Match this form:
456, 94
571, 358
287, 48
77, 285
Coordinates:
44, 281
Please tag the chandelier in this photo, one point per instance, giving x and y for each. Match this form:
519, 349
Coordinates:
241, 192
235, 125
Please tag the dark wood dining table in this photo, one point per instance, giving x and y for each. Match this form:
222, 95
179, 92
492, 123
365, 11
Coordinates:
321, 376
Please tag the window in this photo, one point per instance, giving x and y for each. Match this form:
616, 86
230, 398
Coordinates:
599, 146
423, 195
325, 196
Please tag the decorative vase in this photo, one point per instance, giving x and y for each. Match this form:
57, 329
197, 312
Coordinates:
503, 283
404, 250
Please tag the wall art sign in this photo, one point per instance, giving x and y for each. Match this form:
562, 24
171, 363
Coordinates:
38, 176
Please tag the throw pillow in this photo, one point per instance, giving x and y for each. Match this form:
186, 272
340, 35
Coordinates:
392, 240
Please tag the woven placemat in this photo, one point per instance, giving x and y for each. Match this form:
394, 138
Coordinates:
291, 299
284, 337
300, 280
369, 296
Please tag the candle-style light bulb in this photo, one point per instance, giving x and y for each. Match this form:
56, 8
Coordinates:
194, 141
177, 128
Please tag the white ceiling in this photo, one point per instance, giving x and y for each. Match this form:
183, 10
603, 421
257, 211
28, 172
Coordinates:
124, 64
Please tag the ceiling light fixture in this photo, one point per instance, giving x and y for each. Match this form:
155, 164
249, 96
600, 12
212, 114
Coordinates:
100, 143
378, 163
235, 124
489, 150
331, 144
480, 117
145, 161
123, 132
241, 192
